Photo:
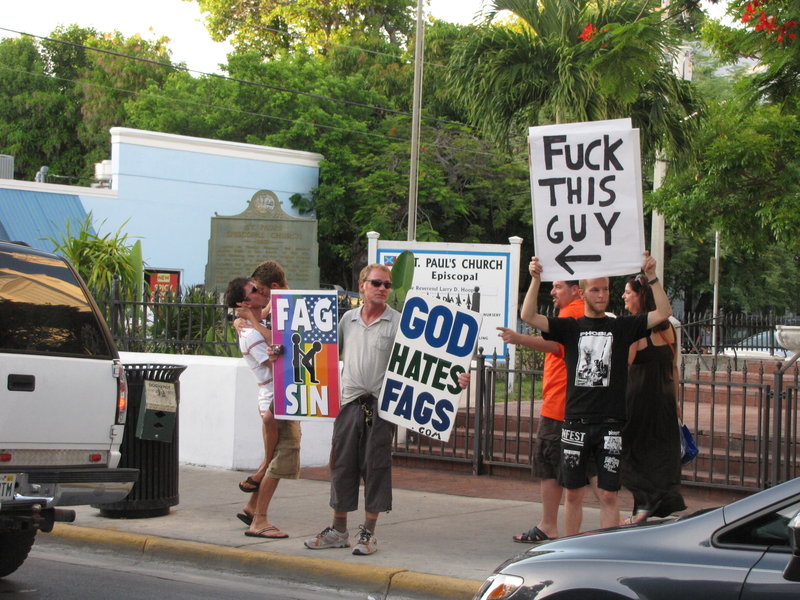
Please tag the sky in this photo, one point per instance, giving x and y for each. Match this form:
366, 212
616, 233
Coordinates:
179, 20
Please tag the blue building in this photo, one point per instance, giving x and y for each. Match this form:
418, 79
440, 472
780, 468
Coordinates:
163, 189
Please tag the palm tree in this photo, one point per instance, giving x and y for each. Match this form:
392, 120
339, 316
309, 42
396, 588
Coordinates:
556, 61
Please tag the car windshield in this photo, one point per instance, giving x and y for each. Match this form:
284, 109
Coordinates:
44, 309
763, 341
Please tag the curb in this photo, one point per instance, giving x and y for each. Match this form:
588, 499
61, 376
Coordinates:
391, 583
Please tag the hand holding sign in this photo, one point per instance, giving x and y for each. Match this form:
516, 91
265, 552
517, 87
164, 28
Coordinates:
535, 268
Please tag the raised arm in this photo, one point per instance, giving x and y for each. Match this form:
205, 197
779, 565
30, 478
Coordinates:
534, 342
663, 309
253, 316
530, 310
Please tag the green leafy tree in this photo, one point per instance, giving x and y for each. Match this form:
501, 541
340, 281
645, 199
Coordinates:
468, 192
575, 60
746, 180
58, 98
766, 32
37, 120
109, 78
272, 26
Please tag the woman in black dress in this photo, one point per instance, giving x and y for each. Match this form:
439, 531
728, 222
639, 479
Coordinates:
651, 450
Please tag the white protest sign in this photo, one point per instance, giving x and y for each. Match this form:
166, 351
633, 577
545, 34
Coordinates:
586, 188
481, 277
433, 346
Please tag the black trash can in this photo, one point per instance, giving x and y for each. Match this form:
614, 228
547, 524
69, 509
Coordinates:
150, 441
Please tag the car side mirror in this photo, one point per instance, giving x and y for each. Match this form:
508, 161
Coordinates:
792, 570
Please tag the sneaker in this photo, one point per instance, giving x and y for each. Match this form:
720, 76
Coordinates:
367, 542
328, 538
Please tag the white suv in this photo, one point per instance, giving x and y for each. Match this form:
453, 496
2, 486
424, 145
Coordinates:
63, 400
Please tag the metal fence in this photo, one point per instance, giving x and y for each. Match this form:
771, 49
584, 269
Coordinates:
731, 332
192, 323
743, 413
744, 421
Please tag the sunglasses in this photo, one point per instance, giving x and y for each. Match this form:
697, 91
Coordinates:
378, 283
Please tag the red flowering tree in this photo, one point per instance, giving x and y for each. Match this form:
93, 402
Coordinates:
766, 31
776, 19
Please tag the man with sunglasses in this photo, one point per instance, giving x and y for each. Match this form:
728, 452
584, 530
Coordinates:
596, 349
361, 447
281, 437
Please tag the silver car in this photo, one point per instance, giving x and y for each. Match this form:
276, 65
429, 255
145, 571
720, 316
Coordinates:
747, 550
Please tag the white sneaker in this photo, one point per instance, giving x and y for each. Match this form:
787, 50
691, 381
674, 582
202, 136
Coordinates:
328, 538
367, 542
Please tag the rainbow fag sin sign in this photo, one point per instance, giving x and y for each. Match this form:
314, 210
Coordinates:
306, 374
433, 345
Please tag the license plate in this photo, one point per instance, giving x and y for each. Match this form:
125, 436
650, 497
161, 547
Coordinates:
7, 486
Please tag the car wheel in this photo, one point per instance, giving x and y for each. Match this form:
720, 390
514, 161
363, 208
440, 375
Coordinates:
14, 548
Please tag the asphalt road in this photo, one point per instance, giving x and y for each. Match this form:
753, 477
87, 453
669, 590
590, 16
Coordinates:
55, 572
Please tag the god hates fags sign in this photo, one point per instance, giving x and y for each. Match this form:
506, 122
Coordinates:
586, 188
433, 346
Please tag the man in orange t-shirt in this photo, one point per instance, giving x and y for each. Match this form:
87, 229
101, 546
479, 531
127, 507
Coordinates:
547, 450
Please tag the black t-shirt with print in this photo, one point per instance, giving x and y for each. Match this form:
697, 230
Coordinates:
596, 355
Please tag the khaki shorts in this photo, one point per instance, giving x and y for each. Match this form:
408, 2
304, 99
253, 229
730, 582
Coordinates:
285, 463
547, 449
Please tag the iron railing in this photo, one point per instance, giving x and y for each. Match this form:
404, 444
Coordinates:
743, 414
193, 323
745, 423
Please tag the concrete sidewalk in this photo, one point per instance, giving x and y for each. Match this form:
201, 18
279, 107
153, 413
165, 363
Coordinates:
433, 545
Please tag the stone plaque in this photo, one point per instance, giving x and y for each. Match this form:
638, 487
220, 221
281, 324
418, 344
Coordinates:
262, 232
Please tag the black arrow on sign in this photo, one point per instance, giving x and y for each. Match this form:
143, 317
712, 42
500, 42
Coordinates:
564, 258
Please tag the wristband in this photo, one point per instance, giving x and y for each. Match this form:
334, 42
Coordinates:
652, 281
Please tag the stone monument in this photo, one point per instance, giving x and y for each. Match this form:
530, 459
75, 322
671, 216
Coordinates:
262, 232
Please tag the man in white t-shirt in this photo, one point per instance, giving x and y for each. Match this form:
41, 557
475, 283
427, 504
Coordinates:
281, 437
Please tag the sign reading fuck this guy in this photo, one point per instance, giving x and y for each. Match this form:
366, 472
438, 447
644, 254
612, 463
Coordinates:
586, 188
306, 374
433, 346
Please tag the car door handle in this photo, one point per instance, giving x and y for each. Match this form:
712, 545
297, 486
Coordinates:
21, 383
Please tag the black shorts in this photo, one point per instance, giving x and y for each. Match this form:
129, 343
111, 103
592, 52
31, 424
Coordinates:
598, 444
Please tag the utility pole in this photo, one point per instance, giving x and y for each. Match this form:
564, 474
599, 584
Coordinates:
681, 66
715, 282
413, 178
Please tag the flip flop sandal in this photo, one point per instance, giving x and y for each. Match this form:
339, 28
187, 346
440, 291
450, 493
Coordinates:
636, 518
249, 485
245, 518
264, 532
531, 536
